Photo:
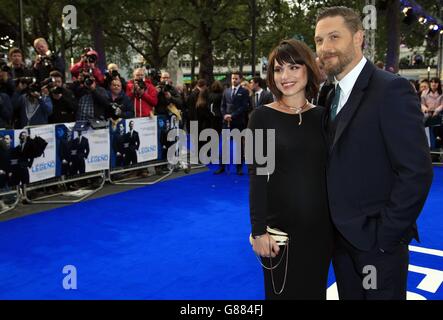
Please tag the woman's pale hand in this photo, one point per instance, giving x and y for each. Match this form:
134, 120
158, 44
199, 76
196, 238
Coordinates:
262, 247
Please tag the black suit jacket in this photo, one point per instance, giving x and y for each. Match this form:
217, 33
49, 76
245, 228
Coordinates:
235, 106
266, 97
81, 148
380, 170
134, 141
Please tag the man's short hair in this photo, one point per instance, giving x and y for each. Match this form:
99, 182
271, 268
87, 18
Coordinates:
240, 75
260, 82
351, 17
14, 50
38, 40
55, 74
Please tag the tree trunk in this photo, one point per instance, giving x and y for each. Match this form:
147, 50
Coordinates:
99, 43
206, 59
393, 29
193, 62
241, 61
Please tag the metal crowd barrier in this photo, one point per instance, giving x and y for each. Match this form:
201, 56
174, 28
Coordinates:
135, 168
46, 184
9, 207
24, 193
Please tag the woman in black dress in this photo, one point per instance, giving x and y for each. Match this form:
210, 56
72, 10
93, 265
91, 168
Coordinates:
293, 197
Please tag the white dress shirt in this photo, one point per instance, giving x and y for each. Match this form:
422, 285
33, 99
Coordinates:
348, 82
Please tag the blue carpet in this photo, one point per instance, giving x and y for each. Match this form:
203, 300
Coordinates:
180, 239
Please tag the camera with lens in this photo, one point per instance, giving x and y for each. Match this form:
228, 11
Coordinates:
141, 84
25, 80
56, 90
33, 88
46, 59
165, 87
114, 74
4, 67
116, 110
88, 78
48, 82
91, 58
154, 74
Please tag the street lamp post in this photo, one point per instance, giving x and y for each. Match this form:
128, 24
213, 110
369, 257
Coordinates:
253, 35
21, 25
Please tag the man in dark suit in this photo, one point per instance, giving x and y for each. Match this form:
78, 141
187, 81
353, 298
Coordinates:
234, 104
120, 145
20, 161
379, 171
133, 144
261, 95
65, 152
79, 153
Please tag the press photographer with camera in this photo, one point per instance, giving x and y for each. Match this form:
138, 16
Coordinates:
112, 73
6, 84
120, 106
88, 61
92, 99
168, 96
46, 61
17, 64
63, 101
142, 93
34, 106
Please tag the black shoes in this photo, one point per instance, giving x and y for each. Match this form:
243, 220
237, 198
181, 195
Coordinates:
219, 170
222, 169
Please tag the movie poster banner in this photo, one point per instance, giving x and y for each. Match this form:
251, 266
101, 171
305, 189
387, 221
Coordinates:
43, 167
145, 130
133, 141
97, 158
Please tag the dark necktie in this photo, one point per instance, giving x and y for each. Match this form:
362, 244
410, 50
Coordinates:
257, 96
233, 93
335, 102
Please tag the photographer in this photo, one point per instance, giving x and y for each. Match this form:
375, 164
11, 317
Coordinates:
46, 61
17, 64
34, 106
63, 101
142, 93
111, 74
120, 105
167, 95
5, 110
88, 61
6, 83
92, 99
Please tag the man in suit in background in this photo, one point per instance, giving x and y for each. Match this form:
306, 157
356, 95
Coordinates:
261, 95
379, 171
79, 153
120, 145
234, 104
65, 152
134, 143
20, 161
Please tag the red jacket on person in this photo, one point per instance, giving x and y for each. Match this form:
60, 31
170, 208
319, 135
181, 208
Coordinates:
98, 75
145, 104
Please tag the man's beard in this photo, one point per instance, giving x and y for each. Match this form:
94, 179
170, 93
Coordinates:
344, 59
